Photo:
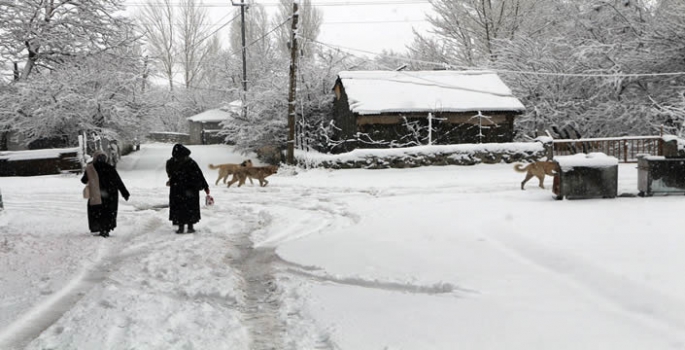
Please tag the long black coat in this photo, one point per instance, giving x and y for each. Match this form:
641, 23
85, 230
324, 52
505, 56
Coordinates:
185, 181
103, 217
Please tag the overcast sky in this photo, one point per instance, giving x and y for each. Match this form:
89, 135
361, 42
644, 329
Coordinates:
360, 26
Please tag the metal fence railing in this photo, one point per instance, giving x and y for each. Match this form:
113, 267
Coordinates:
626, 149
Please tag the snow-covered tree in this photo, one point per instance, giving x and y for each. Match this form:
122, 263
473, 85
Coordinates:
45, 34
592, 69
157, 23
266, 122
470, 27
308, 27
198, 46
259, 41
664, 52
179, 40
264, 125
427, 53
98, 93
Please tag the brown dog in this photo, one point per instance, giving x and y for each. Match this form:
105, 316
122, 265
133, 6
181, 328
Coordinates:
538, 169
229, 169
257, 172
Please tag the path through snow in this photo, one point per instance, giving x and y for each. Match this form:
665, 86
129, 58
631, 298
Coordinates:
437, 257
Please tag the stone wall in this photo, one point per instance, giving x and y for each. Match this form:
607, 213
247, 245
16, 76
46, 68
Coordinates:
169, 137
495, 153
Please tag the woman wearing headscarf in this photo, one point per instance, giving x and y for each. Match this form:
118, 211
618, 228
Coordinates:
185, 182
104, 185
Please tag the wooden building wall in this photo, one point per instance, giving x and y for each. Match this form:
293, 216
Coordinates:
448, 128
342, 116
211, 129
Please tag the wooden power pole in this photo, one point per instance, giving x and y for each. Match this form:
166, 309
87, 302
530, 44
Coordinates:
242, 5
290, 156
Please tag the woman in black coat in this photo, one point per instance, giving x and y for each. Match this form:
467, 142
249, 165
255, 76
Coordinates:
185, 182
104, 185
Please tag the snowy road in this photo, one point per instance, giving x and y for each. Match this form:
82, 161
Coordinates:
427, 258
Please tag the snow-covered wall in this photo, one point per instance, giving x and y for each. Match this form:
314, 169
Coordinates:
169, 137
462, 154
40, 162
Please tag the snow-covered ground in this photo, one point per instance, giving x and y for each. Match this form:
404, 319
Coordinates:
427, 258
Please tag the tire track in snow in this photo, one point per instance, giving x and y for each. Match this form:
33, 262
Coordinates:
30, 325
433, 289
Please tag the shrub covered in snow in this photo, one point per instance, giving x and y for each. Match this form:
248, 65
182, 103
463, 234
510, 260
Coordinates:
462, 154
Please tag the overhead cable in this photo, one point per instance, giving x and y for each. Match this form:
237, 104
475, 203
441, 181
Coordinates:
506, 71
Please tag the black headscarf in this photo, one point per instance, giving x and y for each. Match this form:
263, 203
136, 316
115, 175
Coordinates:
99, 157
180, 151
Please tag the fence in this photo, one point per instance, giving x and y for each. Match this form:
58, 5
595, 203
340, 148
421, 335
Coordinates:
40, 162
626, 149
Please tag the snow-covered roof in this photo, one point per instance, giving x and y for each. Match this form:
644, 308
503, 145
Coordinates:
235, 106
212, 115
590, 160
376, 92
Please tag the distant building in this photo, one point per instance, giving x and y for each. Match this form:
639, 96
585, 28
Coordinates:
394, 108
203, 128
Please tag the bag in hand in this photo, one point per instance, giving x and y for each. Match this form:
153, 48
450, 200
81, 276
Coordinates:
209, 200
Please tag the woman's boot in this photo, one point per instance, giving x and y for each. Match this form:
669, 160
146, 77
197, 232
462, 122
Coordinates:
190, 228
180, 229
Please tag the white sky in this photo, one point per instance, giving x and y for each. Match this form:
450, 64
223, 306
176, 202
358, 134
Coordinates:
362, 26
440, 258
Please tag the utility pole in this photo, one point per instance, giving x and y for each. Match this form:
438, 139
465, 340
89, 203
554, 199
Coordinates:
243, 5
430, 129
290, 156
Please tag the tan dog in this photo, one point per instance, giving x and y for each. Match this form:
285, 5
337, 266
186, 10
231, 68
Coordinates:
229, 169
538, 169
258, 172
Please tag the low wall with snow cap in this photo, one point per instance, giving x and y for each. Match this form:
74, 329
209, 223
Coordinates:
462, 154
169, 137
40, 162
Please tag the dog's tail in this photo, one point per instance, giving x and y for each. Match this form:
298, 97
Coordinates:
212, 166
520, 168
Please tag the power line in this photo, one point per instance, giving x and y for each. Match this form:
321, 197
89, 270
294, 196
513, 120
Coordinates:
214, 31
505, 71
589, 75
342, 22
222, 18
269, 32
246, 46
182, 84
256, 40
268, 4
375, 22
